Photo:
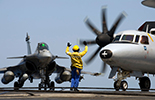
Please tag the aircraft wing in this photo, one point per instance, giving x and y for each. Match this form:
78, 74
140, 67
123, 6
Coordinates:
60, 69
2, 70
85, 72
15, 69
31, 56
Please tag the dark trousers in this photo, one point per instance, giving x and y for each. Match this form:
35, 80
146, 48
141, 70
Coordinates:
75, 77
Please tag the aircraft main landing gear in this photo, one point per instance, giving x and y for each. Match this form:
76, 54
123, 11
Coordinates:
17, 85
145, 83
52, 85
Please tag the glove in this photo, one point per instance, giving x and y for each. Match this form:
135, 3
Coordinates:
84, 42
68, 44
77, 71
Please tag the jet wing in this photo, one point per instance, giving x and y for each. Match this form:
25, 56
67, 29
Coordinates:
15, 69
31, 56
85, 72
3, 70
60, 69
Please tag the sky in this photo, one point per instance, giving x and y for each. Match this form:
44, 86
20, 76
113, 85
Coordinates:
57, 22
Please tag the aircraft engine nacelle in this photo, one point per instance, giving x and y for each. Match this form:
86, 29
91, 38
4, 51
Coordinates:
7, 77
30, 67
62, 77
51, 66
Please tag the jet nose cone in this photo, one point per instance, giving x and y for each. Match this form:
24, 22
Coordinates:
105, 54
45, 54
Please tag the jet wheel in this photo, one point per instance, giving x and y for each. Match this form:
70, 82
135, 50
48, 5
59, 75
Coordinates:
115, 86
45, 88
124, 85
16, 86
145, 83
52, 85
40, 86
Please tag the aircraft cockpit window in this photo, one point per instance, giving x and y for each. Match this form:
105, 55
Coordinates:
144, 40
128, 38
42, 46
137, 38
153, 32
117, 38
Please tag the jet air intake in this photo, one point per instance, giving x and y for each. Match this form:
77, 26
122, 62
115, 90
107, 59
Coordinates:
30, 67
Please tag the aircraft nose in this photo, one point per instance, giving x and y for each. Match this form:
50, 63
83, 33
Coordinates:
105, 54
45, 54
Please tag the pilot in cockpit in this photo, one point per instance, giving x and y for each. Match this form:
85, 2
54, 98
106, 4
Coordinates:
42, 46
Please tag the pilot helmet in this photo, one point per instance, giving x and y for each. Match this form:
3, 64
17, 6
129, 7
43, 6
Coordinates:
76, 48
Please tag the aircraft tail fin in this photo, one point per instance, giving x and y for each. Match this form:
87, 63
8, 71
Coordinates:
28, 44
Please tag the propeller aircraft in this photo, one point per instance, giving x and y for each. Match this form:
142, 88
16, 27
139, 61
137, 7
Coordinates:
103, 38
39, 65
128, 53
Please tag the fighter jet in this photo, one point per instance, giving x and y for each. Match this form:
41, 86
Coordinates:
39, 65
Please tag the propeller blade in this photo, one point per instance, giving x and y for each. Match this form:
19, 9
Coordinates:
90, 25
92, 57
104, 67
104, 22
89, 42
91, 73
120, 18
61, 57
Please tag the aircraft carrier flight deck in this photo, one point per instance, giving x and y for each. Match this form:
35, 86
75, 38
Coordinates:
64, 93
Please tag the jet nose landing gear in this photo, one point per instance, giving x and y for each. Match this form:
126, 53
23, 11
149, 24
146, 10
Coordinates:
120, 83
124, 85
49, 85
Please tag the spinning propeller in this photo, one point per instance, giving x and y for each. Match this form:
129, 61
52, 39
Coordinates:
102, 38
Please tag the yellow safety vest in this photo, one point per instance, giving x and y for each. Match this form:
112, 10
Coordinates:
76, 57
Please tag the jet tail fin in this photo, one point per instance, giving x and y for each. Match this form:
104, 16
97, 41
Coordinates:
28, 44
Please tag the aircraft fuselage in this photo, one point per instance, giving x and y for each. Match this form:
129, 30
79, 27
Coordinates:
131, 51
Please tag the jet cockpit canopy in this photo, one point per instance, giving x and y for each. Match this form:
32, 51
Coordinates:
42, 46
